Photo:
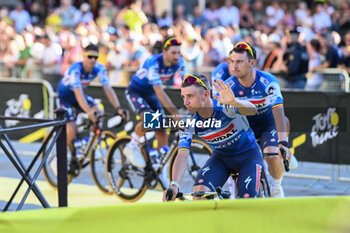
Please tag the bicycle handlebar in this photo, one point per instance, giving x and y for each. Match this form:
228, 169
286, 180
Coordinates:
219, 193
285, 161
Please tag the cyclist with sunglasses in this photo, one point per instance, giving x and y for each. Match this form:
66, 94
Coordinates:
270, 124
145, 93
232, 140
71, 94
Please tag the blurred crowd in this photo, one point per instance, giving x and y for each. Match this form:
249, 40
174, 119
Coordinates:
36, 45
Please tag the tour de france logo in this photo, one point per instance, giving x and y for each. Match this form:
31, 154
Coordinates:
17, 108
326, 127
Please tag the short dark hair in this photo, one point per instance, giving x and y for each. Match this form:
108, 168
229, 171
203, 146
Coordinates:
202, 78
240, 50
91, 47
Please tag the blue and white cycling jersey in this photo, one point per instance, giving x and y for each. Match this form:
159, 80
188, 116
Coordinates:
265, 94
221, 72
232, 137
153, 72
76, 77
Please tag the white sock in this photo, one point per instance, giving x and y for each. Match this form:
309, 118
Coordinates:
134, 139
275, 183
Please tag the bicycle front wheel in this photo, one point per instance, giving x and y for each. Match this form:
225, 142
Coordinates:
50, 165
98, 158
200, 153
127, 181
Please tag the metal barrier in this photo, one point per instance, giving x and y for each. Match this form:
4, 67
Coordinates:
334, 80
59, 131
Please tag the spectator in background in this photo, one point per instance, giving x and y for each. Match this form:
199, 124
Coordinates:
109, 11
322, 20
301, 13
342, 16
103, 54
330, 53
4, 16
134, 17
36, 14
259, 15
314, 80
191, 53
179, 14
229, 14
72, 51
116, 60
274, 52
345, 59
274, 14
66, 12
150, 14
198, 18
212, 14
296, 61
20, 17
165, 20
84, 14
158, 46
246, 16
212, 55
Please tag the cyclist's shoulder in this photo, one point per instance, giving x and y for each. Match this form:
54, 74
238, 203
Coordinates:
76, 66
265, 77
98, 67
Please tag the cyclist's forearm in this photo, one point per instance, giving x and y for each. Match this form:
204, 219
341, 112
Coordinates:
78, 92
111, 96
165, 100
245, 107
180, 165
281, 126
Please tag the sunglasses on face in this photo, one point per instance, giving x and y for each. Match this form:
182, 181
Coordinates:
171, 41
191, 79
91, 56
245, 46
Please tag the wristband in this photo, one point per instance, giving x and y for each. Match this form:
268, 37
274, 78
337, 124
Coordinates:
175, 183
283, 143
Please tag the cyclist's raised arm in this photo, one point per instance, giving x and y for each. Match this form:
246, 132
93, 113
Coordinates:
79, 95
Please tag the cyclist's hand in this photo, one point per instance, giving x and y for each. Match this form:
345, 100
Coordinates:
175, 190
123, 113
286, 149
92, 115
226, 95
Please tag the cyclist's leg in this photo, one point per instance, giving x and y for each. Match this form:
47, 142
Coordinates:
214, 173
269, 144
249, 173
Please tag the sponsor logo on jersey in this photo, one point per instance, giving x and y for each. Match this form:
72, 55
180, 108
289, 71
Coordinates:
259, 103
222, 135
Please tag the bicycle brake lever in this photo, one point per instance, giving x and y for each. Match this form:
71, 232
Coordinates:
285, 161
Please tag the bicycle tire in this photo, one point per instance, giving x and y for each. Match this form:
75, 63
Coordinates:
264, 188
98, 157
188, 180
120, 171
50, 165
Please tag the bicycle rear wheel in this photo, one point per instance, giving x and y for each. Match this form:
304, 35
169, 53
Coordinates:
50, 165
127, 181
98, 158
200, 153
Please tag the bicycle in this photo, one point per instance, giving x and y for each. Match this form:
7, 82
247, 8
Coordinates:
130, 183
93, 153
219, 193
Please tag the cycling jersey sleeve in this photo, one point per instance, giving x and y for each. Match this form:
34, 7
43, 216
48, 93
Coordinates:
182, 69
185, 135
274, 91
153, 75
102, 74
74, 78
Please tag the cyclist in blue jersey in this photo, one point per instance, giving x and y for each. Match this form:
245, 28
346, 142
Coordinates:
71, 94
232, 140
145, 93
269, 124
221, 72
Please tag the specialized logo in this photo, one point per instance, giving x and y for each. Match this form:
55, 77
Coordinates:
224, 134
205, 170
247, 182
325, 127
152, 120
